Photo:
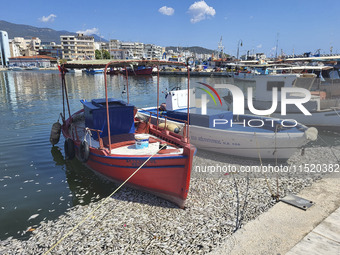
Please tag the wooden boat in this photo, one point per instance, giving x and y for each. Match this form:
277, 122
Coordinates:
103, 136
138, 70
238, 135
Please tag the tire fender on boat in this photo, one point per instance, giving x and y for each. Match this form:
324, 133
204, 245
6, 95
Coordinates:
55, 133
69, 149
84, 151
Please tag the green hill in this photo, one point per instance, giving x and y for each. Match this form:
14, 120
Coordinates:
45, 34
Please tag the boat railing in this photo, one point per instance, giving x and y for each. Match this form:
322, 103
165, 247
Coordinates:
75, 134
165, 120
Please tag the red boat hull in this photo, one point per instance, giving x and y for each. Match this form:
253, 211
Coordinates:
164, 175
145, 71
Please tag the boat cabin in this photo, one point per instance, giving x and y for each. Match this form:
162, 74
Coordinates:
121, 116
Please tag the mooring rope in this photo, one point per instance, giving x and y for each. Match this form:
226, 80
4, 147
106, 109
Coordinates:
335, 109
101, 203
330, 147
260, 158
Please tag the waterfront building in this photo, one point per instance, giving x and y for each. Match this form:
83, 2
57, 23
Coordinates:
152, 51
20, 46
80, 47
51, 49
14, 49
117, 54
38, 61
4, 48
133, 50
101, 46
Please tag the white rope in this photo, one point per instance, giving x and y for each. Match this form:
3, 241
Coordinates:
100, 204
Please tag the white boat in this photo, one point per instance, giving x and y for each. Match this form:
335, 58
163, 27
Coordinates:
94, 71
236, 137
74, 70
17, 68
324, 113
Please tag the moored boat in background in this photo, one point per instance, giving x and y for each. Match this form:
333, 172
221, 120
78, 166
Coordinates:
239, 135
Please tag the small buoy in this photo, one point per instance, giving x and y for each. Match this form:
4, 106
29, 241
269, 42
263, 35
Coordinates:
84, 151
311, 133
55, 133
171, 127
69, 149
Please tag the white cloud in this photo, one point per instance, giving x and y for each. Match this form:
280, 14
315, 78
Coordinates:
90, 31
166, 10
259, 46
200, 11
49, 18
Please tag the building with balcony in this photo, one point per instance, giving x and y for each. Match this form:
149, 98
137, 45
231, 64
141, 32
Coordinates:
51, 49
80, 47
20, 46
152, 51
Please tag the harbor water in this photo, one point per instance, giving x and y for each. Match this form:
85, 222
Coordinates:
36, 183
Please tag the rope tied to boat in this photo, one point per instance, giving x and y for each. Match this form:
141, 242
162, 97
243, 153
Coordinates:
101, 203
260, 158
331, 148
336, 111
89, 133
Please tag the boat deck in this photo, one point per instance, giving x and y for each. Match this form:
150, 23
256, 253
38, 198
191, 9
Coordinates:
151, 149
122, 144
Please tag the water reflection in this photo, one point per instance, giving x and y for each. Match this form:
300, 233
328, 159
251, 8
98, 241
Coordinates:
84, 185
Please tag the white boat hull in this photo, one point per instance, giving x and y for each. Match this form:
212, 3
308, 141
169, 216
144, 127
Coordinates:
246, 144
281, 145
323, 119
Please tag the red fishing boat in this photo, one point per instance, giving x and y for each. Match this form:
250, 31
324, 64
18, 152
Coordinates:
108, 139
139, 70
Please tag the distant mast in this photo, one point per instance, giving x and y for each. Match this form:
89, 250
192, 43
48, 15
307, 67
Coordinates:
277, 45
220, 48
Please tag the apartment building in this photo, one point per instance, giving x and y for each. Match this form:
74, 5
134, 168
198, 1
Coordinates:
152, 51
134, 50
51, 49
20, 46
80, 47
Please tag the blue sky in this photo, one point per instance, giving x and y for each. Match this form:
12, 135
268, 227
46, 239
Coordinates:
299, 25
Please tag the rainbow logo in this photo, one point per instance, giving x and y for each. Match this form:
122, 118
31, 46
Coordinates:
209, 93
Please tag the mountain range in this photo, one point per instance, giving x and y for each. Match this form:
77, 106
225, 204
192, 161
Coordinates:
51, 35
44, 34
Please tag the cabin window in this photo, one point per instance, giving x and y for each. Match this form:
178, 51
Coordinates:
275, 84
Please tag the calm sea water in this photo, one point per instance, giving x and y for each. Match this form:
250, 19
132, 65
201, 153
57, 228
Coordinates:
36, 183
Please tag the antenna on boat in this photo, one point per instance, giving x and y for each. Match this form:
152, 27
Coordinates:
188, 101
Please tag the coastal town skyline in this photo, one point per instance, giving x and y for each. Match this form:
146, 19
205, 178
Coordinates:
293, 27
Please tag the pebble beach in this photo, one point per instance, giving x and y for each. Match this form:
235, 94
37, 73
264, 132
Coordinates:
132, 222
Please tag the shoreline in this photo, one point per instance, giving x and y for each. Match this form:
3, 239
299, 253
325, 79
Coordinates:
135, 222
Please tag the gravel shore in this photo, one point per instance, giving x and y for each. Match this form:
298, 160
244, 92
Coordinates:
218, 204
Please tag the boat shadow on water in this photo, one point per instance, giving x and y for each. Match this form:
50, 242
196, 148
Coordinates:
87, 187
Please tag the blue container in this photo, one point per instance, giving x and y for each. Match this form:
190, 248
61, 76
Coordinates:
121, 116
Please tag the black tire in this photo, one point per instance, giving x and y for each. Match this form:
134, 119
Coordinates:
69, 149
84, 151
